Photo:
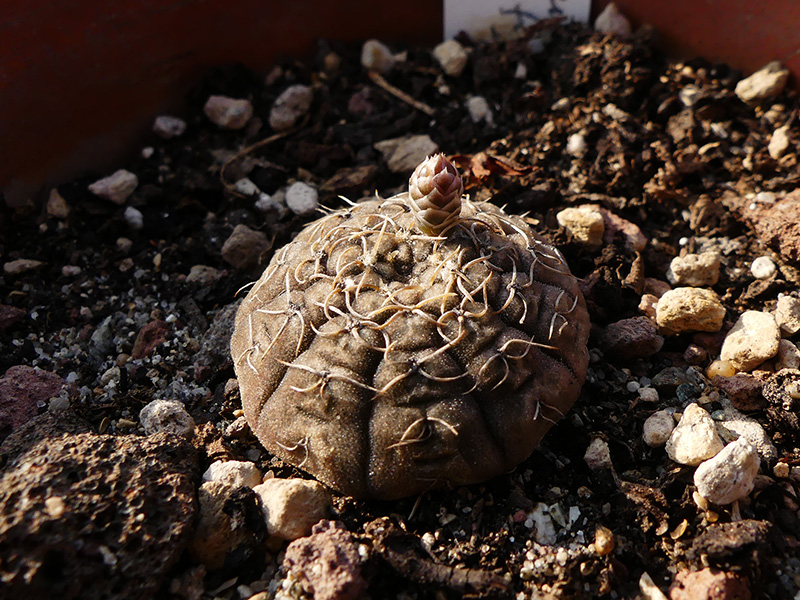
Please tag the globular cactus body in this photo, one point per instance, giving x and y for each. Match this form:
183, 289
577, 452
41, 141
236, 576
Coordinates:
409, 343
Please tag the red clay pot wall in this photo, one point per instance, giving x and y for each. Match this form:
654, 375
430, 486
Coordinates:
81, 81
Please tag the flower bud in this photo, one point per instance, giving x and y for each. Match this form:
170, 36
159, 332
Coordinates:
434, 192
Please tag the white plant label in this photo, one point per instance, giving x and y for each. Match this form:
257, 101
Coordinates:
484, 18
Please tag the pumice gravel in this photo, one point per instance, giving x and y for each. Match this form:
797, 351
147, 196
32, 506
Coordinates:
403, 344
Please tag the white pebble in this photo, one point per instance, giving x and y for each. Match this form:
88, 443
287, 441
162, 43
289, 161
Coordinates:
611, 20
689, 309
70, 270
648, 394
576, 144
168, 127
134, 218
235, 473
479, 110
117, 187
787, 315
734, 425
452, 57
597, 456
246, 187
291, 507
657, 428
376, 56
694, 270
753, 339
169, 416
147, 152
730, 475
290, 107
585, 224
788, 356
695, 439
765, 83
779, 142
227, 112
763, 267
302, 199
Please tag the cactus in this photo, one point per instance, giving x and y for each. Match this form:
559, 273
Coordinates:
412, 342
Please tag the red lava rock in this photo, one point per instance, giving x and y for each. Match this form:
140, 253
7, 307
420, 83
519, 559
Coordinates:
10, 316
21, 389
149, 338
743, 389
695, 355
709, 584
633, 338
327, 562
84, 515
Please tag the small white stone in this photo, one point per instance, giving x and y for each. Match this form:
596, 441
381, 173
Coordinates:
611, 20
227, 112
763, 267
753, 339
597, 456
788, 356
689, 309
521, 71
246, 187
290, 107
134, 218
235, 473
117, 187
302, 198
21, 265
124, 245
147, 152
57, 207
267, 203
657, 428
765, 83
648, 394
479, 110
452, 57
730, 475
584, 224
779, 142
291, 507
576, 144
71, 270
787, 315
202, 274
694, 270
688, 95
695, 438
166, 415
735, 424
168, 127
649, 590
376, 56
545, 527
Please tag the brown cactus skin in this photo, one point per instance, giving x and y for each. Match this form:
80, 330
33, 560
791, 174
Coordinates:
386, 362
434, 193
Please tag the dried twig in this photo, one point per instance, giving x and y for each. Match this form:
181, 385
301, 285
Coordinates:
378, 79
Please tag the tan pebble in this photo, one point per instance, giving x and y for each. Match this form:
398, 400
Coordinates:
721, 368
701, 502
55, 507
781, 470
603, 540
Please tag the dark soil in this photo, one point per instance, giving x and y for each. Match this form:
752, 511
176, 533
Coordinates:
650, 158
